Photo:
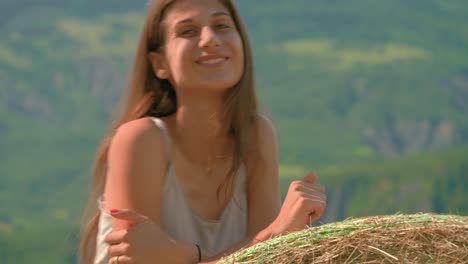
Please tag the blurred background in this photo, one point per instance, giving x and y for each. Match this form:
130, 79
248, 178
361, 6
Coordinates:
371, 94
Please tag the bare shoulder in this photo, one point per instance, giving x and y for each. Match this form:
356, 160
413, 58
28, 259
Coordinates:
265, 131
138, 144
264, 123
141, 132
262, 155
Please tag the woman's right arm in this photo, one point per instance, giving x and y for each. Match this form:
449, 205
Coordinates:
136, 173
136, 166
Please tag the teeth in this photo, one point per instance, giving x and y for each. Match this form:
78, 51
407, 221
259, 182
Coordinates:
212, 61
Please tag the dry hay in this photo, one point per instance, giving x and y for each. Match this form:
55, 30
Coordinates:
417, 238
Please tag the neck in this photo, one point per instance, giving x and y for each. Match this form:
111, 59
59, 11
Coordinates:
199, 118
198, 129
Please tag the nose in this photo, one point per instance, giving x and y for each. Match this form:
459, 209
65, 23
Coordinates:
208, 38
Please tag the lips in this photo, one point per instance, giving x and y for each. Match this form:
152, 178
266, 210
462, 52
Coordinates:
212, 59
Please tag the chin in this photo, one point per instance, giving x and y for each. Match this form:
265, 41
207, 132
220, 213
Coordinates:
219, 85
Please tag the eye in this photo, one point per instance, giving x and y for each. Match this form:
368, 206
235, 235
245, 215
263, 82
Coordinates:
188, 32
222, 26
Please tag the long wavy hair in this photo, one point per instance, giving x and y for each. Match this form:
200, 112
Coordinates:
147, 95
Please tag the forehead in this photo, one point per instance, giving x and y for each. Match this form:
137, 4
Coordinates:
194, 9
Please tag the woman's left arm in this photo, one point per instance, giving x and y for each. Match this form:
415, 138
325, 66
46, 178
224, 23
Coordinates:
263, 195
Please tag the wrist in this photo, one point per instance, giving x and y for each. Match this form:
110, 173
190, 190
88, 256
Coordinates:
188, 252
263, 235
276, 228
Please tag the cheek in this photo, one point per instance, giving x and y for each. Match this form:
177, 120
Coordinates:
240, 57
178, 57
237, 44
239, 50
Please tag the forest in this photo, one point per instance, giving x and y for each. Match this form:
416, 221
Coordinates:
372, 95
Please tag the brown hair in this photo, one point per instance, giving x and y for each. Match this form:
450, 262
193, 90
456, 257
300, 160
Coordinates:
148, 95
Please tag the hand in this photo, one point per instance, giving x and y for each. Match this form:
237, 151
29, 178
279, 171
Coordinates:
142, 243
304, 203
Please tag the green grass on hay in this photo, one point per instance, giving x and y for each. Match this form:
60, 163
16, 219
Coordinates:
400, 238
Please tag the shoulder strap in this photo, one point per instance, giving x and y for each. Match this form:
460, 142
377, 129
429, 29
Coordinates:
160, 124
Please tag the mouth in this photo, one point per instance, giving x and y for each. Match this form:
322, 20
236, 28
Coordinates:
212, 61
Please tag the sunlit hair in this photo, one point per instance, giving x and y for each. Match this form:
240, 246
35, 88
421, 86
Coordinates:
147, 95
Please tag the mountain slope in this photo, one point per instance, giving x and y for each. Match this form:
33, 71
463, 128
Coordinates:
349, 86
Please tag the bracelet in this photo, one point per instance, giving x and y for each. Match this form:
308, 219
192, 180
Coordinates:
199, 252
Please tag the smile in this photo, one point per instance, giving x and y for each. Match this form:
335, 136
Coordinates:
212, 62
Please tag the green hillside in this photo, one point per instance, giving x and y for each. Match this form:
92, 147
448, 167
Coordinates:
429, 182
373, 95
395, 81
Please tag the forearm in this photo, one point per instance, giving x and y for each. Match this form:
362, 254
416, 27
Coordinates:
249, 241
184, 252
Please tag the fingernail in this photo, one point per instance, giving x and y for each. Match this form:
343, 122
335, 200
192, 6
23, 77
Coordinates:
114, 211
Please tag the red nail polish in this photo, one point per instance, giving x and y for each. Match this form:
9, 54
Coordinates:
114, 211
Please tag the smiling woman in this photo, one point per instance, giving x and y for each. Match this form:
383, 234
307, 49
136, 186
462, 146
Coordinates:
189, 172
200, 42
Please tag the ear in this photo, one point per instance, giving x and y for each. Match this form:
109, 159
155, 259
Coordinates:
160, 67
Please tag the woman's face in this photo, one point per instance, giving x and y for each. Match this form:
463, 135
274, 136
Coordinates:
203, 50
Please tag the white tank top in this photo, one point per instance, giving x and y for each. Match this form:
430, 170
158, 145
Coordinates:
178, 219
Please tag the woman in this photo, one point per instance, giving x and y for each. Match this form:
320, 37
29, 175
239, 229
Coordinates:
190, 171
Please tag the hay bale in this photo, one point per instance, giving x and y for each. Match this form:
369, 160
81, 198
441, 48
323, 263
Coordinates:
416, 238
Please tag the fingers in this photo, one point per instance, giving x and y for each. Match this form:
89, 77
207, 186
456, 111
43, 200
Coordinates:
312, 200
129, 215
316, 197
117, 237
313, 187
118, 250
122, 259
315, 215
313, 206
311, 177
301, 186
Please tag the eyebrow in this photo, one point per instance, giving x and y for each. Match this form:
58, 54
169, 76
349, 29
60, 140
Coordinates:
213, 15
